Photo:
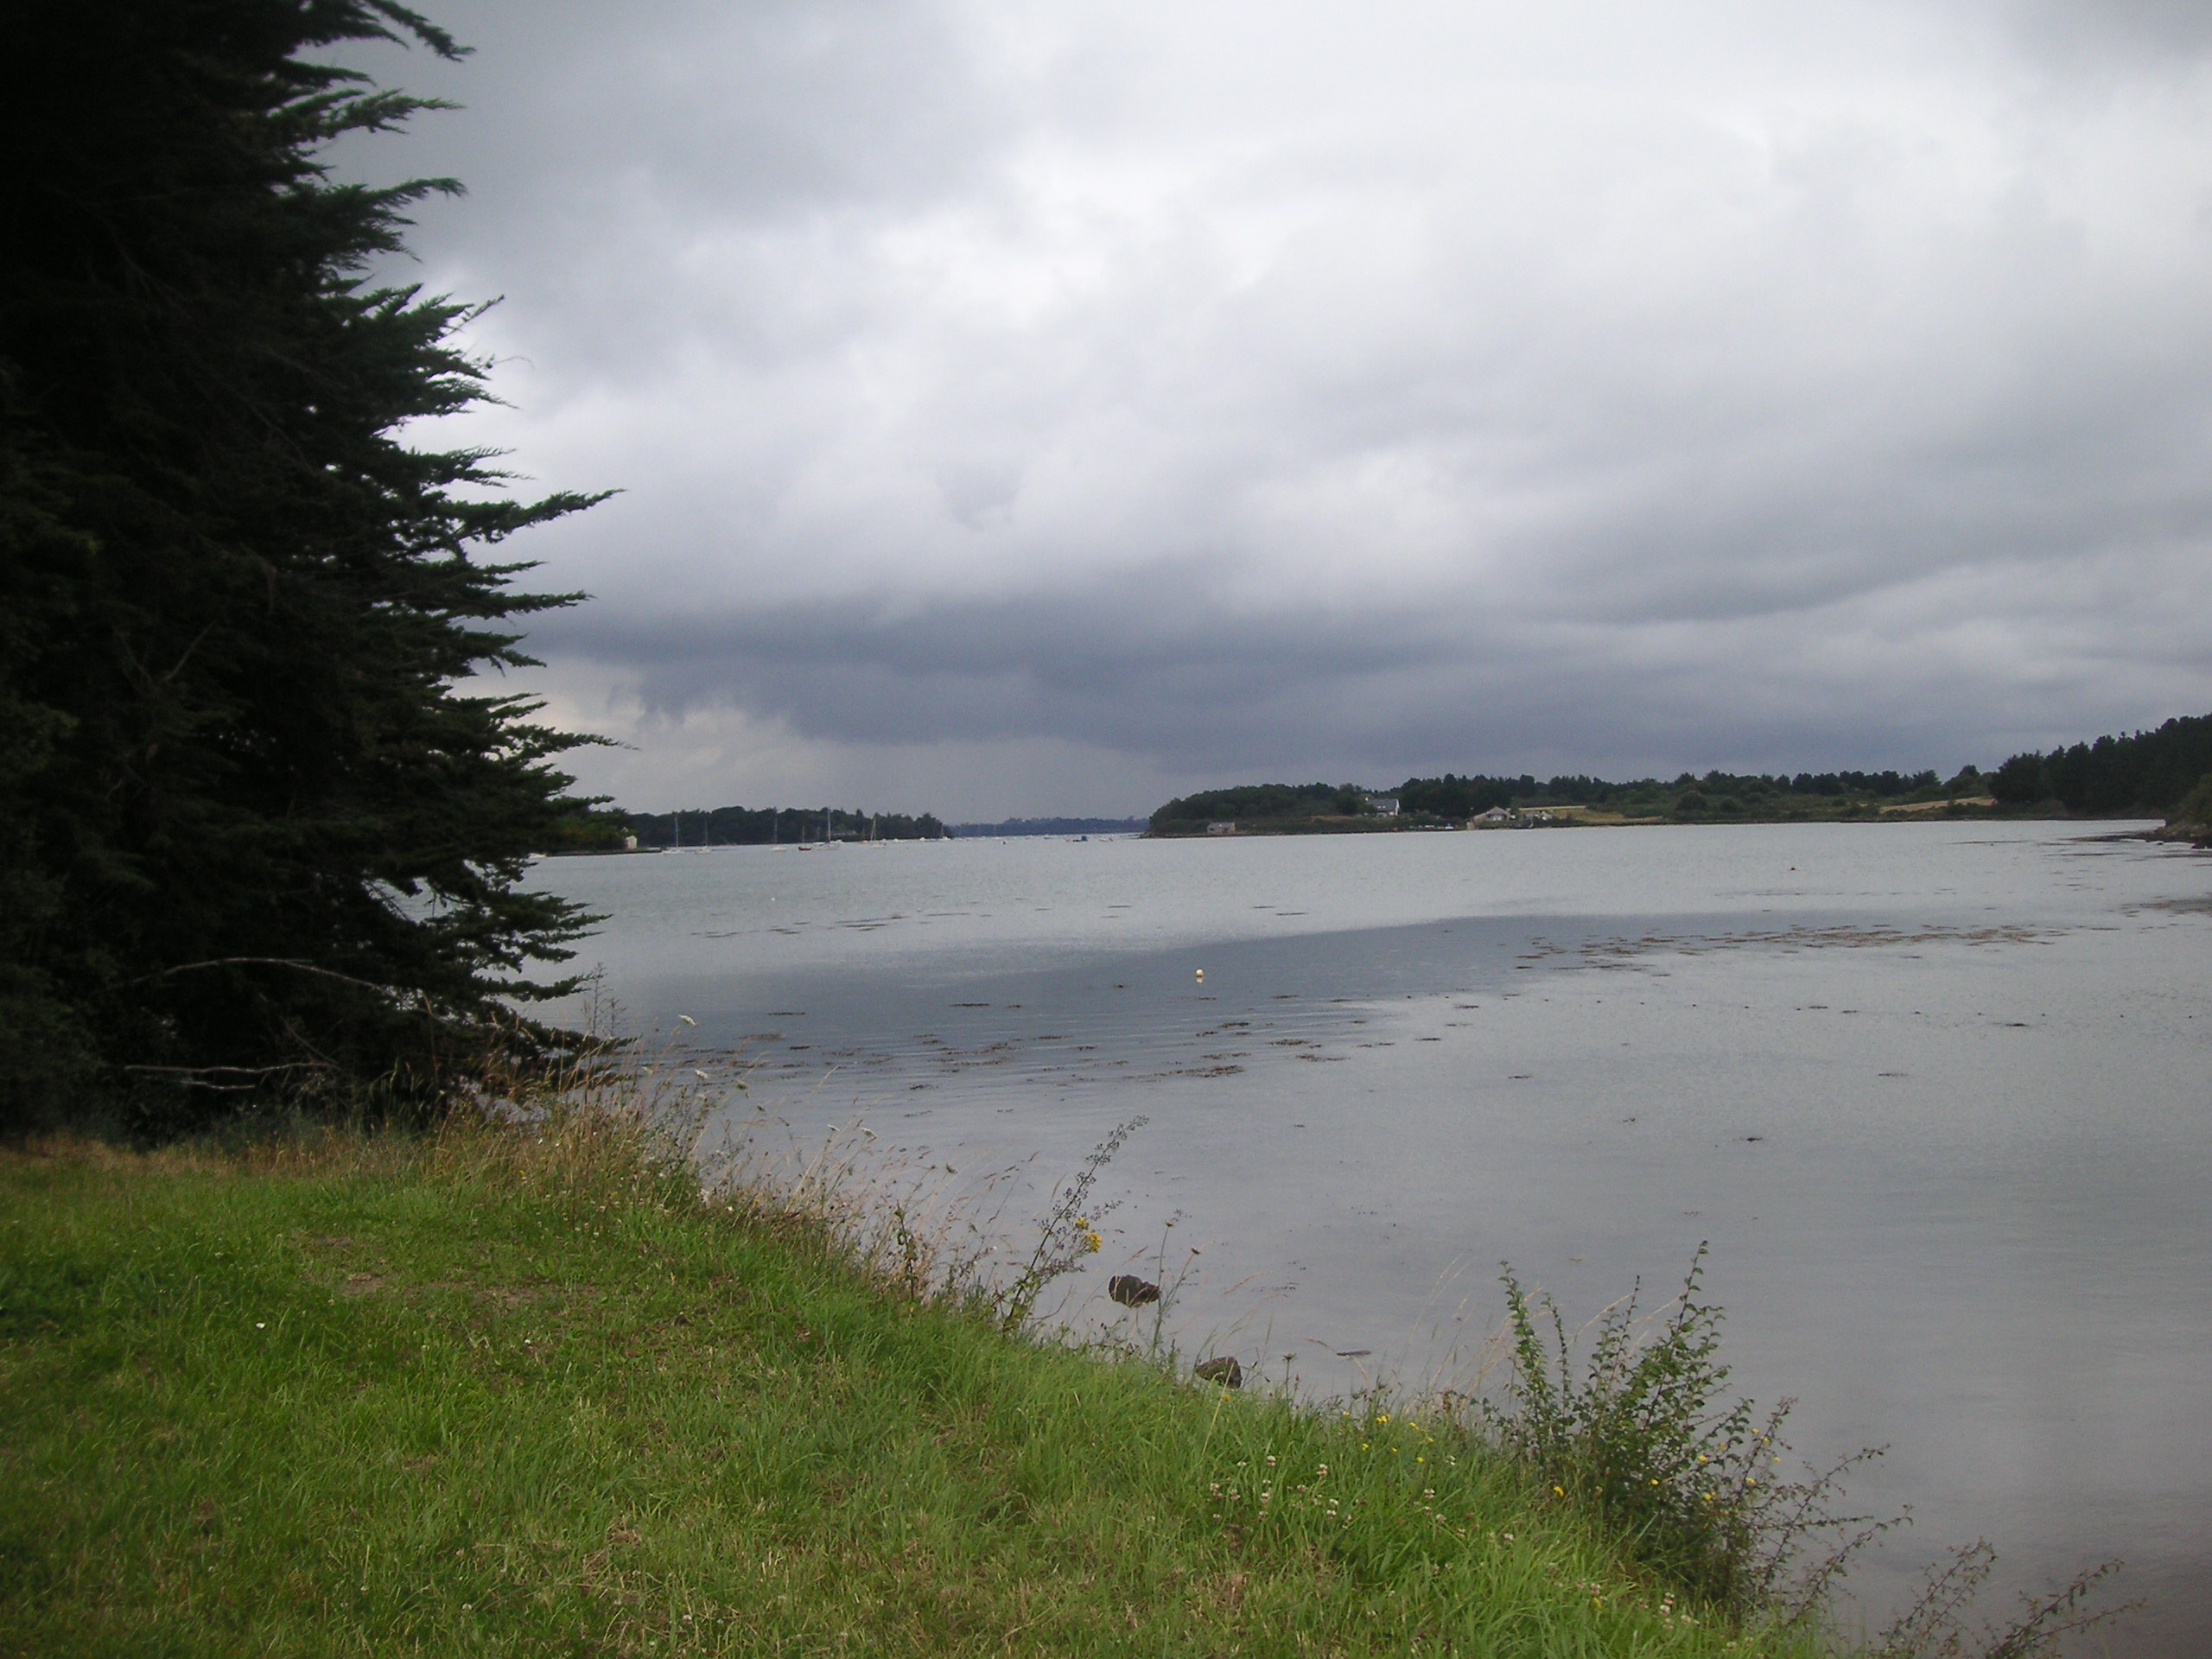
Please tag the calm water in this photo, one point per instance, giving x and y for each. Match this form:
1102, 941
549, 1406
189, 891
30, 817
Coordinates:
1937, 1095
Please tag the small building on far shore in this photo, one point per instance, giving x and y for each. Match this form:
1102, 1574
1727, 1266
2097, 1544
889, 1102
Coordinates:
1384, 806
1221, 827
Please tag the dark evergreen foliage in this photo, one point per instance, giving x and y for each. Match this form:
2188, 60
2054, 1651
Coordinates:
2020, 781
2146, 771
1451, 796
739, 826
1257, 802
261, 830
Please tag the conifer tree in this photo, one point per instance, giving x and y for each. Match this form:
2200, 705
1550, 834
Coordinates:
262, 819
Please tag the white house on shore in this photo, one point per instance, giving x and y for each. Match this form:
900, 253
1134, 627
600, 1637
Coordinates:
1384, 806
1221, 827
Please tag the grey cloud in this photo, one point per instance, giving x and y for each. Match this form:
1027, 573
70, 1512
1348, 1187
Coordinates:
771, 108
1478, 386
592, 143
1154, 669
1141, 664
2139, 29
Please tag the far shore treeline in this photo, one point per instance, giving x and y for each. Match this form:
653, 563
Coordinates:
762, 826
2162, 773
740, 826
2149, 772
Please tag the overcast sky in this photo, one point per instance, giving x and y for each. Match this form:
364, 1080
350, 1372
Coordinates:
1052, 408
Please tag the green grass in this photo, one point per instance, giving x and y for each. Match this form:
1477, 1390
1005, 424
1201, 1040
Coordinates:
460, 1396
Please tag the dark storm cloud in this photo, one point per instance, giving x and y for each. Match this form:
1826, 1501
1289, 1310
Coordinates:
1147, 393
1152, 666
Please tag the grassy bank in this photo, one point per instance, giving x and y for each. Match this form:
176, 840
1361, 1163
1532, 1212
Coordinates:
483, 1394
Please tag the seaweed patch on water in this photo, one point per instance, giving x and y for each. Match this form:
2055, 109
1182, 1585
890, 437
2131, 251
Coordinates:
2200, 905
1622, 953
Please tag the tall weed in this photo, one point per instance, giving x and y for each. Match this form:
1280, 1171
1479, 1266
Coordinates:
1068, 1232
1935, 1626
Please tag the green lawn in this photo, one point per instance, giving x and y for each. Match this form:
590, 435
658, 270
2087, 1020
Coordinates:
389, 1398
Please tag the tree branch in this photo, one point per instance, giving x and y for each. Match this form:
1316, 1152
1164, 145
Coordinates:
262, 962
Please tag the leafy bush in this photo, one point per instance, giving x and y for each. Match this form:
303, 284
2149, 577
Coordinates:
1643, 1437
2195, 809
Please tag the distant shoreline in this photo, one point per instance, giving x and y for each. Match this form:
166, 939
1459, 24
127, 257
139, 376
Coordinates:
1572, 818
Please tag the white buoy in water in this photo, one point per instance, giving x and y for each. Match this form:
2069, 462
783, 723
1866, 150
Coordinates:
1202, 976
